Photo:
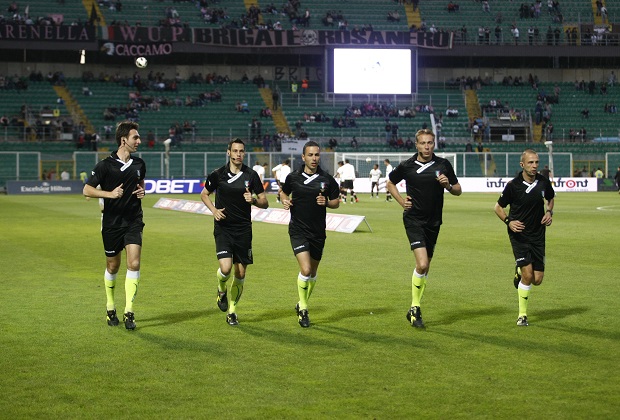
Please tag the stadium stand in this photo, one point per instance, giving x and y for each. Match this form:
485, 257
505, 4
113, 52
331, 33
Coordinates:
211, 120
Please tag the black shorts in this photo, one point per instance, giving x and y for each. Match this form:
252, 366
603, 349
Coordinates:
236, 245
302, 243
423, 237
115, 239
347, 183
529, 253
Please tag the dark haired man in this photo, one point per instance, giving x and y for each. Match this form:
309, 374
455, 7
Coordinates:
121, 179
307, 192
235, 185
426, 176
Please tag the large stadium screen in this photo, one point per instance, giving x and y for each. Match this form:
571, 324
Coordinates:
373, 71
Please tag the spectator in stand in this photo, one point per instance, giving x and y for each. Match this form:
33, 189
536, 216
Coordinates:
612, 79
530, 35
549, 132
275, 96
498, 34
328, 19
393, 16
409, 144
388, 130
604, 14
515, 34
452, 112
395, 131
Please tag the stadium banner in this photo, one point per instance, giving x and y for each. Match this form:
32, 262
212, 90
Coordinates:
498, 184
44, 187
145, 35
362, 185
344, 223
316, 38
136, 41
191, 186
136, 50
42, 33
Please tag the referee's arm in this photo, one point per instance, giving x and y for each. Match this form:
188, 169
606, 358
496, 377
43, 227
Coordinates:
92, 192
406, 204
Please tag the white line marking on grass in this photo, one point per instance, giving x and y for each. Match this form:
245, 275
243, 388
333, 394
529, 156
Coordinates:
609, 208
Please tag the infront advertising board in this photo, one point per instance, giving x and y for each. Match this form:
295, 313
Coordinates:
362, 185
498, 184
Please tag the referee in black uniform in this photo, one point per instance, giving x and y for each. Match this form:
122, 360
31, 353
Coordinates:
235, 185
307, 192
527, 222
426, 176
121, 177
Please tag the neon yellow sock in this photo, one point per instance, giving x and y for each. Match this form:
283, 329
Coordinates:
131, 289
524, 294
311, 284
302, 290
222, 279
417, 284
110, 284
236, 290
423, 288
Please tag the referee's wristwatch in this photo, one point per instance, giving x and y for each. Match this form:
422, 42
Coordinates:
550, 212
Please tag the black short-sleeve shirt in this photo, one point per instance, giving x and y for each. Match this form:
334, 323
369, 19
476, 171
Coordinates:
422, 186
229, 189
112, 172
303, 189
526, 203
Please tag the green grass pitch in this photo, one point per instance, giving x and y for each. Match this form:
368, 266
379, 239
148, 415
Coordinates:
360, 358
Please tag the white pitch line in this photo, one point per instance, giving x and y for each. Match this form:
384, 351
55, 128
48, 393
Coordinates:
608, 208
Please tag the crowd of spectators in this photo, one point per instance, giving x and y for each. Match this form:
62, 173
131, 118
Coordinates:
14, 82
469, 82
16, 14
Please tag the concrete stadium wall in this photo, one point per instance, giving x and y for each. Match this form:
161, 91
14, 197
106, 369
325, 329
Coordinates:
268, 72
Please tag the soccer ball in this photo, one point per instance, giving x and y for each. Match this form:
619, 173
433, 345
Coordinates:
368, 159
141, 62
